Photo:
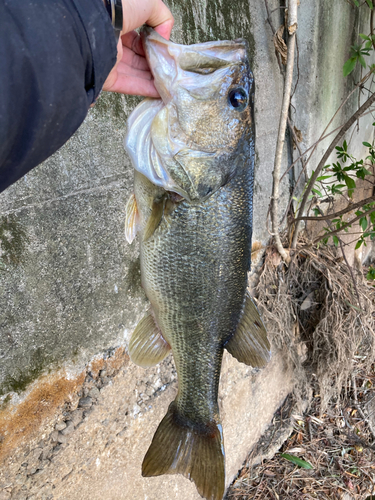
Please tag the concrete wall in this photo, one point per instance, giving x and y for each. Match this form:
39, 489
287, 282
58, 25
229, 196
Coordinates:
69, 283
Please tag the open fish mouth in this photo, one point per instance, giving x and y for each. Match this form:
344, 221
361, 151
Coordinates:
167, 139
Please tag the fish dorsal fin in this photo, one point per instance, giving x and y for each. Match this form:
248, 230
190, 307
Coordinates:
131, 219
250, 344
147, 346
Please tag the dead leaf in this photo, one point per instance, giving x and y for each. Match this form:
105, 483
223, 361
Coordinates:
280, 45
298, 135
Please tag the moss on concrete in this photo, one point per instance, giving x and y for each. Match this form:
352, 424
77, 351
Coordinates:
13, 239
212, 20
19, 382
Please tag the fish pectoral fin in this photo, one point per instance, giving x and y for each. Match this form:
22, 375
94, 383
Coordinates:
147, 346
155, 218
249, 343
131, 219
179, 448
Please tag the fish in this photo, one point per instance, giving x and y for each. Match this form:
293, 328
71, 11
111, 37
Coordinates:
193, 158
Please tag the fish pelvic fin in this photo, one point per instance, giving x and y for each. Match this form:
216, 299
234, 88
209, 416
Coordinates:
147, 346
250, 344
131, 219
196, 452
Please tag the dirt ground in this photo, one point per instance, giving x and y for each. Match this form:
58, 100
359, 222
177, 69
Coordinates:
338, 446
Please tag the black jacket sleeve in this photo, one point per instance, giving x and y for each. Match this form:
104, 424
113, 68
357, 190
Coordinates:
54, 58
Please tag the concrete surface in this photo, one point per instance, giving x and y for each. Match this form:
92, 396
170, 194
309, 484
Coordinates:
94, 447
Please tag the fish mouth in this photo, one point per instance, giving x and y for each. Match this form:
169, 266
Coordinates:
160, 60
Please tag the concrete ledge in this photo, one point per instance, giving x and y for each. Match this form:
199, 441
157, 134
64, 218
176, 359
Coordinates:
93, 446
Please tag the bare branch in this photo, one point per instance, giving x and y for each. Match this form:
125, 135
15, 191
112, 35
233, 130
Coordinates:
349, 208
282, 129
292, 16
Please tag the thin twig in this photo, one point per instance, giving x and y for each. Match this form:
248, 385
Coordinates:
349, 208
347, 264
323, 161
357, 405
349, 223
351, 273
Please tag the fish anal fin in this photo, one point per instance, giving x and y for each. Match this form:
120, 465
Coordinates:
250, 344
131, 219
155, 218
147, 346
178, 448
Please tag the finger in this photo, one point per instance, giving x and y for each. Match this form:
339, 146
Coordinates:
165, 29
133, 41
125, 69
134, 86
152, 12
133, 60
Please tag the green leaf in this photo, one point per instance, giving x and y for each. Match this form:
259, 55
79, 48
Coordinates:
362, 61
369, 3
335, 240
371, 273
358, 244
317, 192
297, 461
363, 223
364, 37
367, 144
356, 2
350, 183
323, 177
349, 66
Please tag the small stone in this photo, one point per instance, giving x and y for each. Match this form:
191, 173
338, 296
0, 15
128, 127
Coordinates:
76, 416
61, 438
31, 471
56, 449
68, 429
60, 426
46, 452
94, 393
19, 479
54, 436
149, 390
85, 402
103, 373
136, 409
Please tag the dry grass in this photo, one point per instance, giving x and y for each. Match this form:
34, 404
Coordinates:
339, 444
324, 323
319, 318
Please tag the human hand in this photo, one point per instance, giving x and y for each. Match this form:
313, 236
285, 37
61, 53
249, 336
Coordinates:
131, 74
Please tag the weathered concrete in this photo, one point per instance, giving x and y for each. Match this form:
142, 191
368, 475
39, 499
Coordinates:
99, 441
69, 283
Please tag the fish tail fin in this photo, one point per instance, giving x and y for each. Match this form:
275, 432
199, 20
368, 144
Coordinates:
196, 452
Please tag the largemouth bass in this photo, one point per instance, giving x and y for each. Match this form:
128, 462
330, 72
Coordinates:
193, 154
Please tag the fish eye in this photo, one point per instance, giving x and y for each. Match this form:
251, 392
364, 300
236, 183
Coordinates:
238, 98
